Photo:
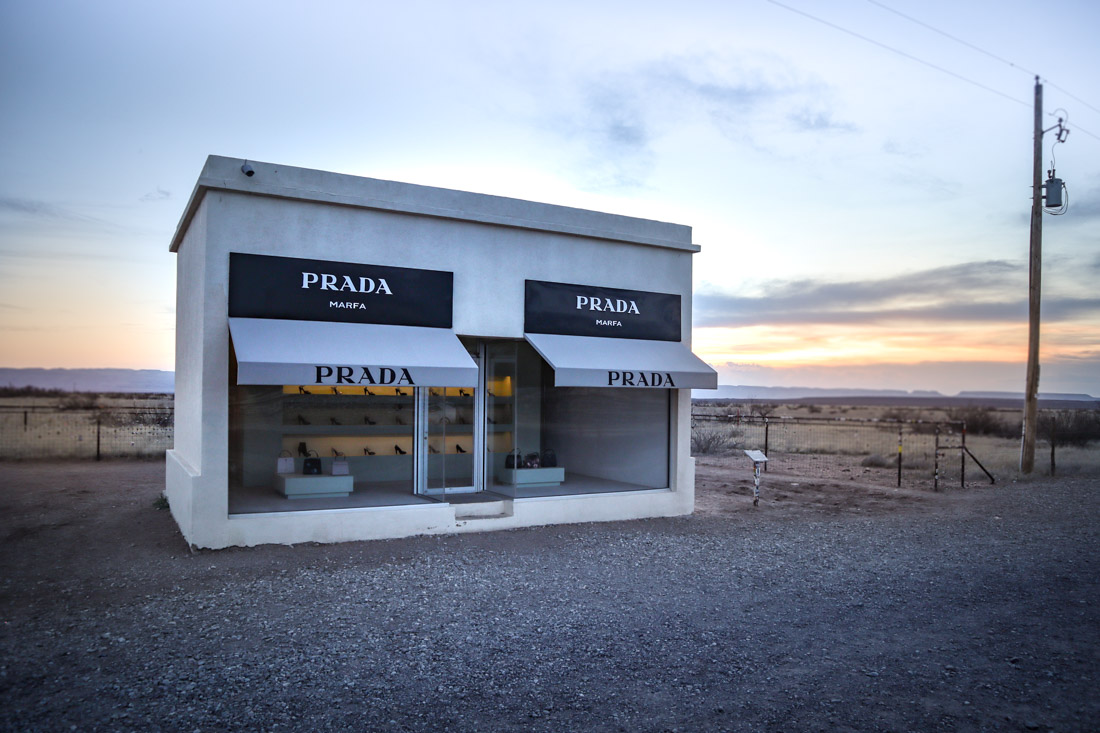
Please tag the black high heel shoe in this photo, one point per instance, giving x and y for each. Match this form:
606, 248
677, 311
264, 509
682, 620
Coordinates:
302, 450
368, 421
368, 452
462, 393
366, 390
397, 391
432, 449
334, 421
302, 390
459, 448
335, 391
302, 420
398, 451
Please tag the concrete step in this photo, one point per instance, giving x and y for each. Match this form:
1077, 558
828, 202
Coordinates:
483, 509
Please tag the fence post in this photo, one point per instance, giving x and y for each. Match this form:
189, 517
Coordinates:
900, 428
24, 421
1053, 442
936, 463
98, 455
765, 441
962, 459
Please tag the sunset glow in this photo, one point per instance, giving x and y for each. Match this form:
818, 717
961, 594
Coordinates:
863, 217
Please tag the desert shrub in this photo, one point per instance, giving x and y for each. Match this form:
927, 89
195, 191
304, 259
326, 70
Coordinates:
877, 460
813, 409
983, 421
706, 441
79, 401
900, 413
1069, 427
29, 391
763, 409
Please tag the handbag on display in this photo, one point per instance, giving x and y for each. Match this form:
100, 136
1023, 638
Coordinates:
340, 465
284, 463
531, 460
312, 466
549, 458
513, 460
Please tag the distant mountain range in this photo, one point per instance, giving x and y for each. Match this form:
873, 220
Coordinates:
880, 396
155, 380
91, 380
751, 392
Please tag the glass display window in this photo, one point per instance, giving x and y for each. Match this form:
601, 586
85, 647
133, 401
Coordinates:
544, 440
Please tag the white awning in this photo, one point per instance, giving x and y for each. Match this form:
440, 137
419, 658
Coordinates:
272, 351
587, 361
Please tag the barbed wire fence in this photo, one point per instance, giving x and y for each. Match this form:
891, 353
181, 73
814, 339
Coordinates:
36, 431
913, 452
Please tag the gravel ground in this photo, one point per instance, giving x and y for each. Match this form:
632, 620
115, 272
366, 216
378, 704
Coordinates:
832, 606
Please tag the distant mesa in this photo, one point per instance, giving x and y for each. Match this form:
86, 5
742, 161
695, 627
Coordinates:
750, 393
150, 381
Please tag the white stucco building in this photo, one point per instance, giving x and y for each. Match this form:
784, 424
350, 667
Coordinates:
361, 359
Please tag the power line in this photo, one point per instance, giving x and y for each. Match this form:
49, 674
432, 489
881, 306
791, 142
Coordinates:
1075, 126
956, 39
899, 52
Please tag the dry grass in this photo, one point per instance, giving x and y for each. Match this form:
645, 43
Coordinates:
75, 426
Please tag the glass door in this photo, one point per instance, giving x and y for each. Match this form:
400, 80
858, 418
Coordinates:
451, 436
449, 439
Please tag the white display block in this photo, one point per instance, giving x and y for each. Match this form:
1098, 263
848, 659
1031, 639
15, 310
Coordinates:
299, 486
533, 476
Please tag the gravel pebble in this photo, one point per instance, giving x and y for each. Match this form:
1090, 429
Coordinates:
937, 617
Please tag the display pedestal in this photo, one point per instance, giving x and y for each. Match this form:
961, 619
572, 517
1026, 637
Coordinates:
533, 476
299, 486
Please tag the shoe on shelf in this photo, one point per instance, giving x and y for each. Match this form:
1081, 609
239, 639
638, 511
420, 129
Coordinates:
398, 451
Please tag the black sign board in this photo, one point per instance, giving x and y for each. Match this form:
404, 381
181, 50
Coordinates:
584, 310
296, 289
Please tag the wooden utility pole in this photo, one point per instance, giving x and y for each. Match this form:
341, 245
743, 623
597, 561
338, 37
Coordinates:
1031, 392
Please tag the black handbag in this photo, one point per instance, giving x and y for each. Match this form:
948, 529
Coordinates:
513, 460
549, 458
312, 466
531, 460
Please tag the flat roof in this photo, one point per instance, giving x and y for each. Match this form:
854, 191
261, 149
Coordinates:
304, 184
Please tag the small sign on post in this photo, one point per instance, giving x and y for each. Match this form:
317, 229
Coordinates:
758, 459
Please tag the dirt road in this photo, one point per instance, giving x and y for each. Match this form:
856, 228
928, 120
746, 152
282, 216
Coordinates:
832, 605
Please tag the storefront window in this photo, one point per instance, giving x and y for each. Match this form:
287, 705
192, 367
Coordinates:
341, 446
548, 441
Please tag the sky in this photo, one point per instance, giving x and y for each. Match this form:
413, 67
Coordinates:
859, 181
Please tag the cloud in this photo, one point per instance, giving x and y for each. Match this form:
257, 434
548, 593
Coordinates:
989, 291
618, 116
616, 133
1085, 208
809, 121
158, 195
904, 149
44, 210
